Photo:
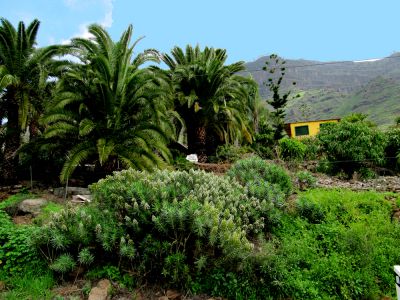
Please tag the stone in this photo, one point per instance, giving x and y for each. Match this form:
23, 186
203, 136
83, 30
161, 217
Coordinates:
71, 190
100, 292
192, 158
32, 206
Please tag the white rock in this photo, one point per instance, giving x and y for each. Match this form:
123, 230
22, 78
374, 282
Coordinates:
192, 158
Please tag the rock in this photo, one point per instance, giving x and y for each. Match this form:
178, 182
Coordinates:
192, 158
71, 190
32, 206
100, 292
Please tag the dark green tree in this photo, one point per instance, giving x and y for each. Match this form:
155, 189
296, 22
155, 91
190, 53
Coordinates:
275, 66
210, 97
24, 70
110, 110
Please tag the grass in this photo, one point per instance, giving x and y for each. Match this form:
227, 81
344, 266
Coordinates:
28, 286
15, 199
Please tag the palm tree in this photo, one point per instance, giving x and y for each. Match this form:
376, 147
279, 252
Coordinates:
110, 110
23, 76
209, 97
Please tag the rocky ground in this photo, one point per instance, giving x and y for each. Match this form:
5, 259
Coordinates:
381, 184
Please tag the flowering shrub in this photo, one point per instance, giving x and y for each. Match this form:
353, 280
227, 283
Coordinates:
255, 169
172, 223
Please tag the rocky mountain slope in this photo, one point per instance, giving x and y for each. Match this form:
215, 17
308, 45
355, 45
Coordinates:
335, 89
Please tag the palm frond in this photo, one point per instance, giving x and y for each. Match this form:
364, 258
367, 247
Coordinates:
74, 157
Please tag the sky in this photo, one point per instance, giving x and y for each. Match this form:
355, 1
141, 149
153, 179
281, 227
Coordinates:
324, 30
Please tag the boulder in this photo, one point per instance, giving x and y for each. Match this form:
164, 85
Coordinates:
32, 206
71, 190
100, 292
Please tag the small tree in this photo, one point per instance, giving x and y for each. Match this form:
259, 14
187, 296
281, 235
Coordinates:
276, 67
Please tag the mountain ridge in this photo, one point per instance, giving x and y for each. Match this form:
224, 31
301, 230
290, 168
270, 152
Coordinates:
335, 89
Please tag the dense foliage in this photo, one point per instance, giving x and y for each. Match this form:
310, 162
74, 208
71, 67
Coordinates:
392, 150
351, 146
210, 97
338, 245
191, 221
112, 111
243, 235
209, 234
255, 170
24, 70
291, 149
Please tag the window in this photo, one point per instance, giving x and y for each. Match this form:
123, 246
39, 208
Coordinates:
301, 130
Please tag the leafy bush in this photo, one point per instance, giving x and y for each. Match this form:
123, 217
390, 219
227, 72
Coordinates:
313, 148
264, 142
305, 180
182, 164
255, 169
351, 146
231, 153
16, 252
189, 221
112, 273
291, 149
392, 149
338, 245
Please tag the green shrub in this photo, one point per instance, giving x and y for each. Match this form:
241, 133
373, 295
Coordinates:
291, 149
255, 169
230, 153
189, 221
351, 146
392, 149
311, 211
182, 164
338, 245
305, 180
16, 252
313, 148
112, 273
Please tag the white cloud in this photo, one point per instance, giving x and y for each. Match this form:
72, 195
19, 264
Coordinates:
106, 21
82, 33
108, 17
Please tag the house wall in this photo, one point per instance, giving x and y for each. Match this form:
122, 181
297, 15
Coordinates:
313, 127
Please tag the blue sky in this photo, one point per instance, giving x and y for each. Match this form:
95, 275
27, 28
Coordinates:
310, 29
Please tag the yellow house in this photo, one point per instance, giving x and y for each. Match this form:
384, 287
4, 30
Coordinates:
306, 128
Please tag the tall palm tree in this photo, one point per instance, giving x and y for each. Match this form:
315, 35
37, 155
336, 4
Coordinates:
23, 75
110, 109
209, 96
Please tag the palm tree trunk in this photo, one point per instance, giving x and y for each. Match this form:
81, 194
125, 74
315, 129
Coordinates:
12, 142
197, 141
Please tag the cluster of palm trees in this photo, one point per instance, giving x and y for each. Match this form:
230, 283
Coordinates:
97, 103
